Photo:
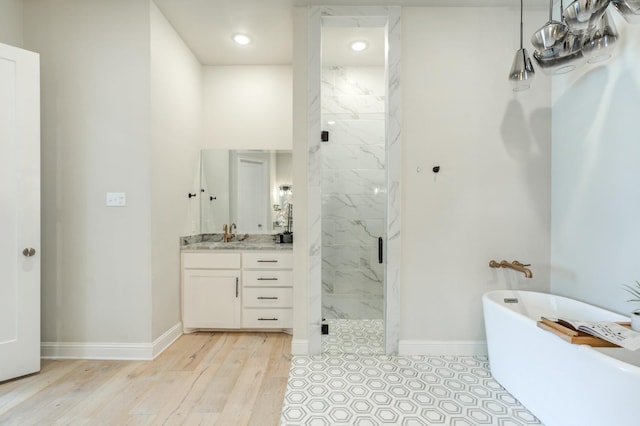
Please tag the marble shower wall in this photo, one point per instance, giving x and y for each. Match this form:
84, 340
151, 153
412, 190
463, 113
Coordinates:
353, 192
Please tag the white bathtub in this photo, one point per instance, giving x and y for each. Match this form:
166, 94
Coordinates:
561, 383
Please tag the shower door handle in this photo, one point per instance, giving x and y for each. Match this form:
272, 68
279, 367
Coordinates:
379, 249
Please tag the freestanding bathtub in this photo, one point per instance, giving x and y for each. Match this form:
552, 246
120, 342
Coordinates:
560, 383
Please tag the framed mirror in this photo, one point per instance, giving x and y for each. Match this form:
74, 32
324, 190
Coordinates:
251, 188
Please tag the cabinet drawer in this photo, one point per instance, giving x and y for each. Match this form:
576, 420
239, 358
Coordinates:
270, 278
267, 318
267, 297
267, 260
211, 260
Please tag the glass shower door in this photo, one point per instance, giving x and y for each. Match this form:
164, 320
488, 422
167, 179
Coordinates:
353, 207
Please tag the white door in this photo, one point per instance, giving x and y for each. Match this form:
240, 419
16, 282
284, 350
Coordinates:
253, 193
19, 212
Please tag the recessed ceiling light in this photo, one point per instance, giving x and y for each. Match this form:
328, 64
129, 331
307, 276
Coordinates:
242, 39
359, 46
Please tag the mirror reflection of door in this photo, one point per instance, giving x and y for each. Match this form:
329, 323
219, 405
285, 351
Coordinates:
215, 200
252, 211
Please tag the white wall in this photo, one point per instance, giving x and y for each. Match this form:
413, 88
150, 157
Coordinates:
490, 199
11, 22
595, 236
176, 136
96, 273
248, 106
122, 110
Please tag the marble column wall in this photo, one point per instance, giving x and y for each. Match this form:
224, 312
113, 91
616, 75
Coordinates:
353, 192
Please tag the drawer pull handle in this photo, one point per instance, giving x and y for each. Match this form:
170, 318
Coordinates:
267, 298
267, 319
267, 279
267, 261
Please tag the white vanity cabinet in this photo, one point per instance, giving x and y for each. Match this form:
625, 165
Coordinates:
211, 290
237, 289
267, 289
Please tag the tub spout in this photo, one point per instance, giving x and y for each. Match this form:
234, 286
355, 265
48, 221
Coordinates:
515, 265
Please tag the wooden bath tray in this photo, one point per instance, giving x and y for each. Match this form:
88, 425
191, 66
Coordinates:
576, 337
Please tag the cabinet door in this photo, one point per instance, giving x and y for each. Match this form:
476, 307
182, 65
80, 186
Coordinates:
211, 299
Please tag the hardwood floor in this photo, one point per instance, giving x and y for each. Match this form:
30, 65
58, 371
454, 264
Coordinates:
217, 378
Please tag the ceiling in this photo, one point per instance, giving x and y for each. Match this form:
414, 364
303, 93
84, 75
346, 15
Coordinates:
207, 26
336, 48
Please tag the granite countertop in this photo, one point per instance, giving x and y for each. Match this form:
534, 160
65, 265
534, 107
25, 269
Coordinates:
239, 242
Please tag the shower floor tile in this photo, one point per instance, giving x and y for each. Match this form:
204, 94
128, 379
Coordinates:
352, 389
347, 336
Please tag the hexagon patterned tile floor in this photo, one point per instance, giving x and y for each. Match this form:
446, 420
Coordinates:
363, 337
352, 389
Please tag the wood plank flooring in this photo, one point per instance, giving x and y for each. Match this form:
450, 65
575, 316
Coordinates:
215, 378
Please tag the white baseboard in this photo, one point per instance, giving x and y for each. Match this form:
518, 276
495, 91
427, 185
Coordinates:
164, 341
117, 351
443, 347
299, 347
80, 350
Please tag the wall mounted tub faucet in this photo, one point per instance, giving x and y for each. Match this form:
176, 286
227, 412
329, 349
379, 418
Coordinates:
515, 265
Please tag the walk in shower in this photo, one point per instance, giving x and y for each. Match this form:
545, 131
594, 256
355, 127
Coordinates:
354, 180
353, 186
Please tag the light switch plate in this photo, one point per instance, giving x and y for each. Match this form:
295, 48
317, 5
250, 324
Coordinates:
116, 199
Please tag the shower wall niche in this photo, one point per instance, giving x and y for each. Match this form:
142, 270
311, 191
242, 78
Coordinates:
353, 191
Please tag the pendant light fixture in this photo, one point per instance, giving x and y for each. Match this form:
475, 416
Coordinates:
565, 55
585, 33
599, 45
629, 9
551, 34
582, 15
522, 70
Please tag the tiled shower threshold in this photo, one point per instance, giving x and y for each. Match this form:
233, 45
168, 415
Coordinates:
362, 337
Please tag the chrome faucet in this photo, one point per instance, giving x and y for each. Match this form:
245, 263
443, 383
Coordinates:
228, 232
515, 265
